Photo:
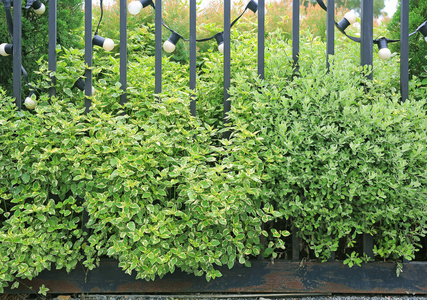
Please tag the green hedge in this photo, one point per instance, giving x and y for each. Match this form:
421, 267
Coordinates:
331, 153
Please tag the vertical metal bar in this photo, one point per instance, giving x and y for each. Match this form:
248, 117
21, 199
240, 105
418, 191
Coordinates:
158, 48
261, 37
88, 53
193, 16
368, 245
52, 43
227, 58
404, 49
295, 33
330, 31
17, 53
367, 35
123, 50
295, 245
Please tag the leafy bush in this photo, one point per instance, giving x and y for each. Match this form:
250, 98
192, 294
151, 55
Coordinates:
158, 189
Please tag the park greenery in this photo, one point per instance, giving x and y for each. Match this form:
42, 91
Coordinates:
332, 154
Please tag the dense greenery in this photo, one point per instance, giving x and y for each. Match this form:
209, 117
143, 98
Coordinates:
417, 44
35, 36
333, 154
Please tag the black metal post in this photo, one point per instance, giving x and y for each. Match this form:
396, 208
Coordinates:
193, 36
330, 31
53, 6
295, 33
17, 53
158, 48
88, 53
227, 58
404, 49
123, 50
261, 37
295, 245
367, 35
368, 245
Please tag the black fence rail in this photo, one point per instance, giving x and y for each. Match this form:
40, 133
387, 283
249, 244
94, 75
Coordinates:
287, 276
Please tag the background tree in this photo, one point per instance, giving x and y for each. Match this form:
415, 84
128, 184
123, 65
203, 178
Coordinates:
35, 36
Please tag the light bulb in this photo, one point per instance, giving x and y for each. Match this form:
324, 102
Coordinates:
169, 47
108, 44
135, 7
221, 48
5, 49
384, 53
40, 10
350, 17
30, 103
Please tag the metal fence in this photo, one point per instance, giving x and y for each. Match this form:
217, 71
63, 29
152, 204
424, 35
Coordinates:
366, 58
366, 42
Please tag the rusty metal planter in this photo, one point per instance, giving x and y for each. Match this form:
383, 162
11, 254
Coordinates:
262, 277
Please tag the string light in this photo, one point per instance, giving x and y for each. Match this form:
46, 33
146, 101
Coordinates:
135, 7
220, 40
106, 43
423, 29
384, 52
29, 102
38, 7
6, 49
253, 6
81, 85
348, 19
170, 45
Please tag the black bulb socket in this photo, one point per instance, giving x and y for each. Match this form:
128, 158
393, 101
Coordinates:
219, 37
382, 43
145, 3
8, 48
423, 29
174, 38
343, 24
80, 84
98, 40
253, 5
36, 4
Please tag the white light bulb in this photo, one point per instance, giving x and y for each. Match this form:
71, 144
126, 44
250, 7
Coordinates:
221, 48
169, 47
40, 10
108, 44
3, 50
135, 7
384, 53
30, 103
265, 11
350, 17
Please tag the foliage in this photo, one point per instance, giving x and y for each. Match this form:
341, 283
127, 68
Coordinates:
353, 5
35, 37
417, 44
157, 189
